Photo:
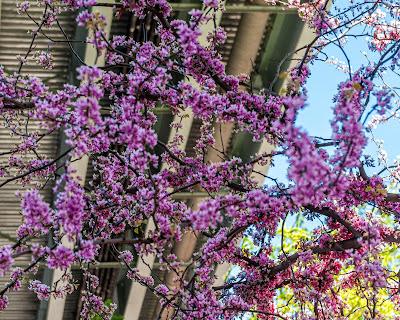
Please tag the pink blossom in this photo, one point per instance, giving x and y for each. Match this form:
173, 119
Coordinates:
3, 302
6, 259
60, 258
37, 214
88, 250
42, 291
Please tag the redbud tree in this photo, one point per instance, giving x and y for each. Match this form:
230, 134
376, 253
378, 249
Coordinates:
345, 240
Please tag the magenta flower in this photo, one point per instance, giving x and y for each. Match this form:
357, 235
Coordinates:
3, 302
60, 258
37, 214
88, 250
6, 259
42, 291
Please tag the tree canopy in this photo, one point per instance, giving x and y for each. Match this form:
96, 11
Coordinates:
321, 244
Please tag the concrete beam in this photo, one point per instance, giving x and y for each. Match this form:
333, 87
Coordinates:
137, 292
305, 37
242, 58
55, 307
238, 8
229, 8
301, 40
244, 53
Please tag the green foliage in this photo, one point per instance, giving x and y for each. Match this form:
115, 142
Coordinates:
356, 299
248, 245
115, 316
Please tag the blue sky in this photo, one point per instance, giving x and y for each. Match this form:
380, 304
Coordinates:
322, 86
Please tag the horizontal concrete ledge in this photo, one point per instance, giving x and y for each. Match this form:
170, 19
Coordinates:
233, 8
76, 266
99, 265
238, 8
